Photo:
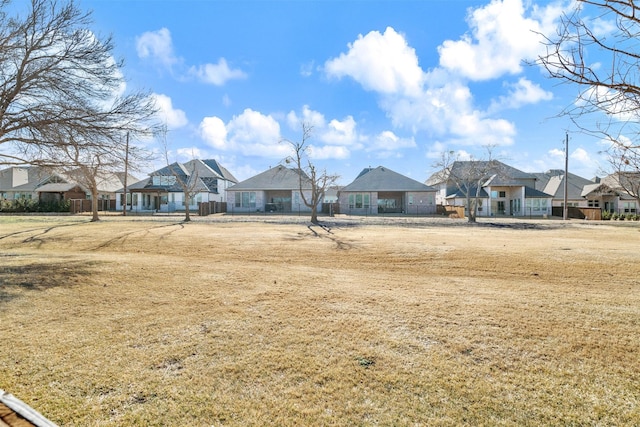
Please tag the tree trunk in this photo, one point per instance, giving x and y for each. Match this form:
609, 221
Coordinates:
94, 205
187, 216
314, 214
471, 217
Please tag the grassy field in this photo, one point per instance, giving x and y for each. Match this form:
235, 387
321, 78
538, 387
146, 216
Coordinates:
155, 322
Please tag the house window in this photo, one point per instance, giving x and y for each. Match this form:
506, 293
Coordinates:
359, 201
410, 199
245, 199
594, 203
629, 207
502, 194
163, 180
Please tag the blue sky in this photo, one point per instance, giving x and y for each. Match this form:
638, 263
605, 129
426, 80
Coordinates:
391, 83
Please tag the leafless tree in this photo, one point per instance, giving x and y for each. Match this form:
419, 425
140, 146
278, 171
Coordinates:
606, 69
186, 176
468, 177
91, 165
625, 165
313, 181
60, 78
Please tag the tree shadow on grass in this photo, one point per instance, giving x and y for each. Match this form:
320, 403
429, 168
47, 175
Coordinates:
18, 280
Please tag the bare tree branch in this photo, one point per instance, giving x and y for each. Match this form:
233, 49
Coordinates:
313, 182
58, 78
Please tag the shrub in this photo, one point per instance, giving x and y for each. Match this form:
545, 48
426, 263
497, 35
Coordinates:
614, 216
606, 215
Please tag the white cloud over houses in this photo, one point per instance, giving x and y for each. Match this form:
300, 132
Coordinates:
173, 118
383, 63
250, 133
439, 101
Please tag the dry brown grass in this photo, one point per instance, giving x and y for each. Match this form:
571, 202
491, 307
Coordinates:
148, 322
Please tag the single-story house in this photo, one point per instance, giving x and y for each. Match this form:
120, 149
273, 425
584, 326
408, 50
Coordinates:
614, 193
20, 182
381, 190
274, 190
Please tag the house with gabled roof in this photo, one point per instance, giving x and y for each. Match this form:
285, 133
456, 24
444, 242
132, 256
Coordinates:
164, 189
20, 182
617, 192
503, 190
275, 190
553, 182
381, 190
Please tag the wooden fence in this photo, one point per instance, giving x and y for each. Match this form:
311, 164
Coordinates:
594, 214
450, 211
209, 208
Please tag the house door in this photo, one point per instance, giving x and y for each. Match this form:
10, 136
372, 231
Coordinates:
501, 207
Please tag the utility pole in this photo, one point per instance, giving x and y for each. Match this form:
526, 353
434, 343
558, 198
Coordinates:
126, 172
565, 211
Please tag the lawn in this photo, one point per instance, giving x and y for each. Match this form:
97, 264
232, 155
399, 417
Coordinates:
147, 321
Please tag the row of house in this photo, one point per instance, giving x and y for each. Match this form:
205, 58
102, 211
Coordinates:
501, 191
33, 183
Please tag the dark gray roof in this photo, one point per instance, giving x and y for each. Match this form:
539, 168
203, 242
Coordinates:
502, 174
220, 170
552, 182
207, 173
174, 169
384, 179
276, 178
459, 194
532, 193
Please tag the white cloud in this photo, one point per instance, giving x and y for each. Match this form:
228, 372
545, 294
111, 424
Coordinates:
172, 117
501, 38
521, 93
328, 152
188, 153
380, 62
306, 70
217, 74
214, 132
389, 141
250, 133
336, 132
308, 116
157, 45
341, 132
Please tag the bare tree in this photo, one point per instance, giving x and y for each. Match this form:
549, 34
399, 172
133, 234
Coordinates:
467, 177
185, 176
313, 182
59, 78
94, 165
625, 163
606, 69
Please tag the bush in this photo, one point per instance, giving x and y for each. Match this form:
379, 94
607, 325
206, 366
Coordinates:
606, 215
30, 205
629, 217
614, 216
